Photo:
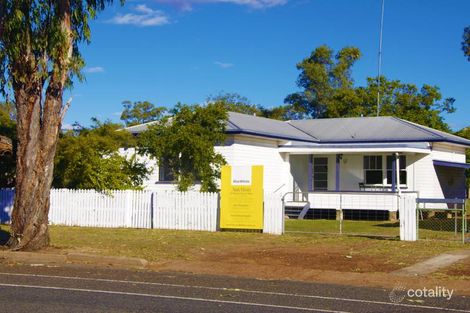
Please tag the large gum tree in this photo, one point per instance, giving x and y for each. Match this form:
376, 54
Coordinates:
39, 55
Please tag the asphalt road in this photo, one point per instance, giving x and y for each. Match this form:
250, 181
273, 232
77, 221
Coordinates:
85, 289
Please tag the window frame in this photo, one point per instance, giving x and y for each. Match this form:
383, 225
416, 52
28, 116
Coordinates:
403, 169
164, 172
316, 166
366, 166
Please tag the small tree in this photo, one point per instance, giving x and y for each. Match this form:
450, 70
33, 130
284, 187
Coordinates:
186, 143
39, 54
141, 112
88, 158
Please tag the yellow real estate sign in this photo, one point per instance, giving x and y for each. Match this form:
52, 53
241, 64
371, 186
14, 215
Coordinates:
241, 203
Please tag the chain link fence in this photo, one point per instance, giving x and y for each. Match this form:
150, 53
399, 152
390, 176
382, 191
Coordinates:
442, 219
351, 222
355, 214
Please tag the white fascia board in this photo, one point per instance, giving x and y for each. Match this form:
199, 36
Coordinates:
319, 150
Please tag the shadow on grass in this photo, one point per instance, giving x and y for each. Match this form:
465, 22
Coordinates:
395, 224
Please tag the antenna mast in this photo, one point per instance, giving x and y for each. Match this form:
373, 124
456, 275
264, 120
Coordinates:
379, 65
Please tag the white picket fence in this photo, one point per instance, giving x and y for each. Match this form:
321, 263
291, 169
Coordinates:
118, 208
142, 209
186, 210
273, 214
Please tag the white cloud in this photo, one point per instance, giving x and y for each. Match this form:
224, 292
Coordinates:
68, 126
224, 65
143, 16
95, 69
256, 4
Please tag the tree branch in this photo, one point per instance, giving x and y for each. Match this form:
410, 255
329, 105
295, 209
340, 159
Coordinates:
64, 109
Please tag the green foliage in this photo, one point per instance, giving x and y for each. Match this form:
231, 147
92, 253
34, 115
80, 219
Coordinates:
466, 42
328, 91
424, 106
234, 102
34, 36
465, 132
8, 129
88, 158
186, 142
141, 112
322, 77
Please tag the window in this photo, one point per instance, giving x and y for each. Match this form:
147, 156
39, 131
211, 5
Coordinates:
320, 173
373, 170
402, 169
164, 172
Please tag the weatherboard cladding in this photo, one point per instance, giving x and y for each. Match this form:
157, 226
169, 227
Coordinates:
333, 130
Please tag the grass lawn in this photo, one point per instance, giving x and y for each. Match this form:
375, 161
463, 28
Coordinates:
309, 251
379, 228
431, 228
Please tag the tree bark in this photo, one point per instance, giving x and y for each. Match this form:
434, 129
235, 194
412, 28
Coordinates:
39, 119
37, 137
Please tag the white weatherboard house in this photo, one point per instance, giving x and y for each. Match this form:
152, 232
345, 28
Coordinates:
371, 158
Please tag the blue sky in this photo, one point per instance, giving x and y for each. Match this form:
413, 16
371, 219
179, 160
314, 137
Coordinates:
167, 51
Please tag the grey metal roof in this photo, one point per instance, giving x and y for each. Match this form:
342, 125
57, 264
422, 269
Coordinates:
372, 129
382, 129
260, 126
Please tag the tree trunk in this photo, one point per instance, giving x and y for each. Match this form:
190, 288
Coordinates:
37, 137
39, 118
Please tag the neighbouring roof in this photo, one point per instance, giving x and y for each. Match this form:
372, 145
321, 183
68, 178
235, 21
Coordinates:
382, 129
139, 128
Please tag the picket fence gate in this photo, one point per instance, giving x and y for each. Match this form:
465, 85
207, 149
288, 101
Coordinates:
142, 209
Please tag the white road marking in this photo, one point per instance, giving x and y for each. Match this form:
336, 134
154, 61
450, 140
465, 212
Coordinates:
240, 290
172, 297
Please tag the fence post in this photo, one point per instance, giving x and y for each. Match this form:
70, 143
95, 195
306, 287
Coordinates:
340, 213
408, 218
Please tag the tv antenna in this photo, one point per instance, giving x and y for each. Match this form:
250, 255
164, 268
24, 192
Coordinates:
379, 65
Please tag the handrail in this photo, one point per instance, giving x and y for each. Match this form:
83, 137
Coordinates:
441, 200
295, 192
279, 188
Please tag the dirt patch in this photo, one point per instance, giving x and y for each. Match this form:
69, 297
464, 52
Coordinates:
266, 272
460, 270
317, 258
